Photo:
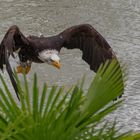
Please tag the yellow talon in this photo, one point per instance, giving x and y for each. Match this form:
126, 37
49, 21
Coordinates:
21, 69
27, 69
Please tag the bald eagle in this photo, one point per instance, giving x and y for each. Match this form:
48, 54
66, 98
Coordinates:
95, 49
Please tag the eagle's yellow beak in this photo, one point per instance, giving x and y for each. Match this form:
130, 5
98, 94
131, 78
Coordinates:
21, 69
57, 64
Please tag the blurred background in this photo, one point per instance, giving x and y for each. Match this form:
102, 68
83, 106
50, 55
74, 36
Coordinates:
117, 20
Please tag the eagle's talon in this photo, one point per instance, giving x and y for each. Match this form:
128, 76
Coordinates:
28, 68
21, 69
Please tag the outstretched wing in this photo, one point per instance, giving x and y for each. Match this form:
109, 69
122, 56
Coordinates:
95, 48
12, 41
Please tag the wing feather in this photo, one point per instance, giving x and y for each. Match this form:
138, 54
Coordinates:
11, 42
94, 47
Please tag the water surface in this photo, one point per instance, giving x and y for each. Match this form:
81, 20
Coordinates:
117, 20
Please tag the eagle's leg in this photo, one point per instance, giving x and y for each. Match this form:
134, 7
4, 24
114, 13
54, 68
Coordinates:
24, 67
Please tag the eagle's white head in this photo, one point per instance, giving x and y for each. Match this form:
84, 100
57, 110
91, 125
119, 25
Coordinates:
51, 57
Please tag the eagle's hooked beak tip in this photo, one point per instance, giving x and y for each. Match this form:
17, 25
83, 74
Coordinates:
57, 64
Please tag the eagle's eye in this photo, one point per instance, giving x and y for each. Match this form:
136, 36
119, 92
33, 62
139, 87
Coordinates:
51, 60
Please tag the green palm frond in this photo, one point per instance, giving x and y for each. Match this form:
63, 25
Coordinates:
132, 137
58, 114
